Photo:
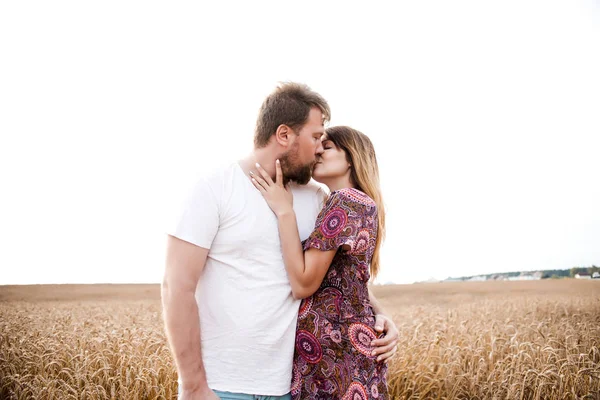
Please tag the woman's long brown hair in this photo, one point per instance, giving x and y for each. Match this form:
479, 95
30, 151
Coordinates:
364, 174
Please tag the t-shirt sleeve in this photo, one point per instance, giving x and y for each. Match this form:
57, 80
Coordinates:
197, 221
337, 224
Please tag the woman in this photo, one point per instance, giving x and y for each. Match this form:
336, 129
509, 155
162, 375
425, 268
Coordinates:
331, 270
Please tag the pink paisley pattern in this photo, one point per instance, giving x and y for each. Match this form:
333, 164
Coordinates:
362, 241
361, 336
296, 380
356, 391
335, 325
334, 222
308, 347
304, 308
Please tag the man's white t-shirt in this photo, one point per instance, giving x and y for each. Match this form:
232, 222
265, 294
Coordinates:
247, 312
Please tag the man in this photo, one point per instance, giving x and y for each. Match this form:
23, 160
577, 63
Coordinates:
229, 312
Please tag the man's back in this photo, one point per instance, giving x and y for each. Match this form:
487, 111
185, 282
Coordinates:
247, 313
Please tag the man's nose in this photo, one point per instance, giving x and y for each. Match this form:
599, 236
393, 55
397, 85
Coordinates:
319, 149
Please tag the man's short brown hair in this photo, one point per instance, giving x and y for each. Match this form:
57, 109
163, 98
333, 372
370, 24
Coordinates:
289, 105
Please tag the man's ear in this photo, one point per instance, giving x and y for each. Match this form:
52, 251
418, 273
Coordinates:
283, 135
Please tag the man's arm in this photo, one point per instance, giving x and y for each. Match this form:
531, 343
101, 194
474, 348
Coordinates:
184, 265
386, 346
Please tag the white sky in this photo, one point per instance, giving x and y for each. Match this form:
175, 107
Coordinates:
485, 118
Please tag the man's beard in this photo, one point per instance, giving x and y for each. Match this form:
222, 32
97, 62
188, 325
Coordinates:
294, 171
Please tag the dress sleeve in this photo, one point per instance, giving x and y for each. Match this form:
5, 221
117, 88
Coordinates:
338, 224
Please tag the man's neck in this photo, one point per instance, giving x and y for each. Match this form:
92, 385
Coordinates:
264, 157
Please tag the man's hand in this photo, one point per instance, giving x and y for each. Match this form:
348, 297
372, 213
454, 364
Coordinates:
386, 346
197, 394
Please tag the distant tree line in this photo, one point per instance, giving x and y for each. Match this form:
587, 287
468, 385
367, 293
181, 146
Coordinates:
583, 270
546, 274
556, 273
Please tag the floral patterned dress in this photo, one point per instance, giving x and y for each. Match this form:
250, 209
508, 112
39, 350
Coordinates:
332, 359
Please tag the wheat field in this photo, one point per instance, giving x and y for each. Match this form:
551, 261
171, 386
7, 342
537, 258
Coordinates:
471, 340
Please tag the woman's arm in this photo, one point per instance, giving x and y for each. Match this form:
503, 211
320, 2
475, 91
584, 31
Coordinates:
306, 269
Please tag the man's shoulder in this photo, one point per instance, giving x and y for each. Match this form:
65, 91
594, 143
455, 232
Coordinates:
210, 180
220, 170
215, 173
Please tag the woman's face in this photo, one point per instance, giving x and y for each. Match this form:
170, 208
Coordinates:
331, 163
